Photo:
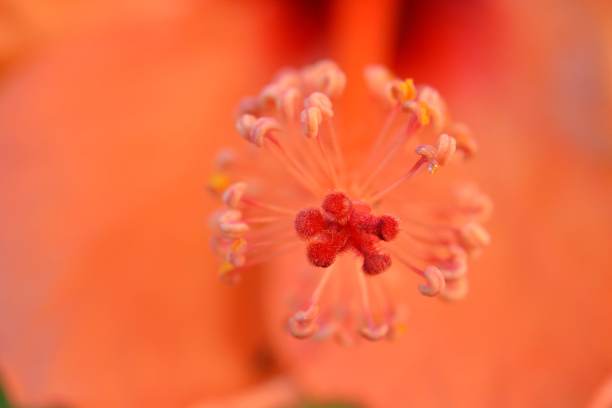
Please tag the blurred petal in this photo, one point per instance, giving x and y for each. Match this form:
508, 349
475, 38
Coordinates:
107, 295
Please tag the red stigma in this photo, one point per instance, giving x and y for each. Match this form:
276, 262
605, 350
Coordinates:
387, 228
341, 225
309, 222
338, 207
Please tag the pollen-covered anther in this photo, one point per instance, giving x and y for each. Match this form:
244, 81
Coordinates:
218, 182
374, 332
399, 91
268, 96
311, 119
263, 127
419, 109
302, 329
465, 142
271, 95
303, 323
435, 282
446, 148
236, 253
254, 130
249, 105
289, 102
225, 272
436, 107
439, 155
473, 236
244, 125
455, 289
325, 76
456, 265
429, 153
233, 194
229, 216
231, 224
322, 102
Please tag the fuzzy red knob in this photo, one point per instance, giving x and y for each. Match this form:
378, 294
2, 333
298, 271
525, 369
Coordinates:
309, 222
376, 263
338, 206
387, 227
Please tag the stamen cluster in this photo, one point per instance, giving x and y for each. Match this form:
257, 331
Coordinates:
297, 193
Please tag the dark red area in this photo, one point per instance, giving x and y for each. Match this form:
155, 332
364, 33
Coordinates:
340, 225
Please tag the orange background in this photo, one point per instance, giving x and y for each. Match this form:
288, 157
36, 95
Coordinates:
110, 113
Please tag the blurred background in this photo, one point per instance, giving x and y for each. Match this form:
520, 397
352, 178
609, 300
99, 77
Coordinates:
110, 114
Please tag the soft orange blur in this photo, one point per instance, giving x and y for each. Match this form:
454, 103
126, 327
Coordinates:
110, 114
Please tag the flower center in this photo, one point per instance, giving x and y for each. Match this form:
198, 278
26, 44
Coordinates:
340, 225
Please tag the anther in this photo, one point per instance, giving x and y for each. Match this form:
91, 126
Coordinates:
233, 194
236, 254
263, 127
322, 102
401, 91
289, 102
455, 289
228, 273
435, 282
455, 266
326, 77
374, 333
269, 95
302, 329
436, 106
244, 124
439, 155
230, 223
254, 130
287, 78
473, 236
249, 105
446, 148
465, 142
420, 110
311, 119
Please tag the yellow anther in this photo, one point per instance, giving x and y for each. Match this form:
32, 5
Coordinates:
225, 268
400, 328
433, 167
424, 117
218, 182
238, 245
407, 89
